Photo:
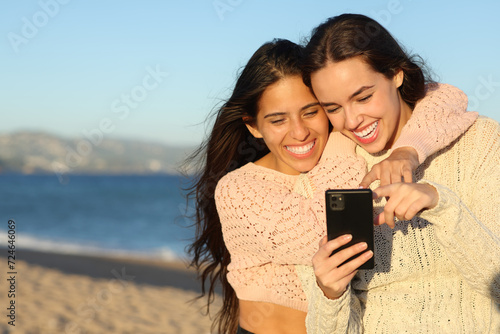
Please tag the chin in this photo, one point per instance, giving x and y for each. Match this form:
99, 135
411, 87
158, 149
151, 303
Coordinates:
373, 148
305, 169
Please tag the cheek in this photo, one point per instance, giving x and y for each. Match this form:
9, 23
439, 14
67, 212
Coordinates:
272, 135
377, 108
323, 123
386, 105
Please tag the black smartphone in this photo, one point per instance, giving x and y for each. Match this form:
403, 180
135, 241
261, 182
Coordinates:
350, 211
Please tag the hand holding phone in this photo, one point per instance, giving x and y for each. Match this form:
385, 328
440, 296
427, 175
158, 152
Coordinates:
332, 277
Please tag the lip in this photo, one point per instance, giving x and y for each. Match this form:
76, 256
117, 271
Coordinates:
302, 155
372, 136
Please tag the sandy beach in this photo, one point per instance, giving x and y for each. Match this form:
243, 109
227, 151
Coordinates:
58, 293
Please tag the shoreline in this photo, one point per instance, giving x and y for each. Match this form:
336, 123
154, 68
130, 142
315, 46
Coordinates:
173, 273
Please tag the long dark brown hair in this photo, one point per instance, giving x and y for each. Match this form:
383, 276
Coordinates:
350, 35
229, 146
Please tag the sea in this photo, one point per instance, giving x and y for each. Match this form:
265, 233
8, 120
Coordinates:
139, 216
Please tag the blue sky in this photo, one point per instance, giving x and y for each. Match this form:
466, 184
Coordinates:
153, 70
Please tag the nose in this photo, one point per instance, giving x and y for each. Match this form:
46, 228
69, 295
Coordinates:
300, 130
352, 119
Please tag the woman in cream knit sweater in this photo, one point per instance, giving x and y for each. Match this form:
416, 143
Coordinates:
438, 271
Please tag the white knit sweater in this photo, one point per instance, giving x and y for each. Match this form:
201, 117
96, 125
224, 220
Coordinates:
439, 272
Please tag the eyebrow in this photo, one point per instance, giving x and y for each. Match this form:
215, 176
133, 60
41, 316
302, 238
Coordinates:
307, 106
356, 93
359, 91
275, 114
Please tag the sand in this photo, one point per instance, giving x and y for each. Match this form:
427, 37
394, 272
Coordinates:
57, 293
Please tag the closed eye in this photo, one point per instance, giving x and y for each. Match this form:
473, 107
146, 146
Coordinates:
366, 98
277, 121
332, 110
311, 113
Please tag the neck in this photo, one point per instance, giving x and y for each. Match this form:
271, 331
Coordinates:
270, 161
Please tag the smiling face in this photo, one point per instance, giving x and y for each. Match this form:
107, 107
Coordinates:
293, 126
361, 103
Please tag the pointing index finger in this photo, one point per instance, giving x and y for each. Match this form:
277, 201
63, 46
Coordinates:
368, 179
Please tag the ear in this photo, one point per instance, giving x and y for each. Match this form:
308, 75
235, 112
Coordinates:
253, 130
399, 77
250, 123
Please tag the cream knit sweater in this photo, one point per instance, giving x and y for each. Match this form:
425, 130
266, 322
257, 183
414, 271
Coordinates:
268, 226
439, 272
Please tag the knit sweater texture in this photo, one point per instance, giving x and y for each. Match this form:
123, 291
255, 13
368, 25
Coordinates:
439, 272
272, 221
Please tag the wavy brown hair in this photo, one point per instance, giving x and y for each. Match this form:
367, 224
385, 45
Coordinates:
229, 146
351, 35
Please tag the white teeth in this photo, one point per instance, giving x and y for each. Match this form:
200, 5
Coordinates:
300, 149
368, 131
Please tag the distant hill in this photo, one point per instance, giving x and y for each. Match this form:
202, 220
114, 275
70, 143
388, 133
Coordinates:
30, 152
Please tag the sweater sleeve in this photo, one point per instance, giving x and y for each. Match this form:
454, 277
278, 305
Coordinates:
438, 119
466, 218
326, 316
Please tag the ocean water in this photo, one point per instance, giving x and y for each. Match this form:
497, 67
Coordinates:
134, 216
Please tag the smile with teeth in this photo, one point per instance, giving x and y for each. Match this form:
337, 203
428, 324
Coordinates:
367, 132
300, 149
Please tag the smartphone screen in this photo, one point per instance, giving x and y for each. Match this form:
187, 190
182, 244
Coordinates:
350, 211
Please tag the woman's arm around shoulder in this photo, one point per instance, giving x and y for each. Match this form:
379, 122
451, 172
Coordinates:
437, 119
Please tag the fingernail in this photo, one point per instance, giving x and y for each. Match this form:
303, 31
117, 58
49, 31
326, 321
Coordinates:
347, 237
368, 254
363, 245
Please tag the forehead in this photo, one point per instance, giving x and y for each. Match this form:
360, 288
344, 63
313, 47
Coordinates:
349, 70
343, 77
288, 95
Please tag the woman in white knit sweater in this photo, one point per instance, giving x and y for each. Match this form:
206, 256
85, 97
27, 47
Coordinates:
438, 272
